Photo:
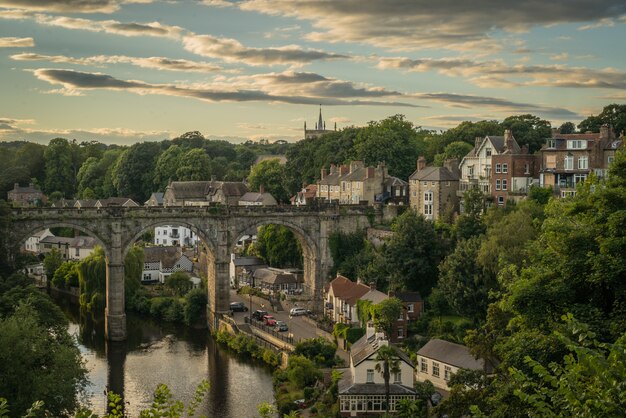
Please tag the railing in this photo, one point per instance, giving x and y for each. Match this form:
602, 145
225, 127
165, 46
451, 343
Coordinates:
288, 338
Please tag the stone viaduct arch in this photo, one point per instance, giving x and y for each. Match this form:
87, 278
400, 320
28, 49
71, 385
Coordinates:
218, 227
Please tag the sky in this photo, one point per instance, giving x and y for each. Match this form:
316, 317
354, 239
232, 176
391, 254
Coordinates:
125, 71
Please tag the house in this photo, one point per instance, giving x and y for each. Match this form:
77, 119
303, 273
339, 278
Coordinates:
203, 193
568, 159
125, 202
320, 128
395, 191
514, 173
413, 307
242, 268
438, 360
64, 203
262, 198
174, 235
84, 203
62, 244
341, 299
27, 196
357, 184
156, 199
434, 189
81, 247
32, 242
305, 196
271, 280
160, 262
362, 389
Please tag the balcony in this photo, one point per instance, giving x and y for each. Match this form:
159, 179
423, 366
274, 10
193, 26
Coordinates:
174, 235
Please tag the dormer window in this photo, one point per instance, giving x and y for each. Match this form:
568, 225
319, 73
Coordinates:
551, 143
488, 152
576, 144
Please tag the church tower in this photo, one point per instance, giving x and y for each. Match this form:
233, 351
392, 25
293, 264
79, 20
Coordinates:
320, 128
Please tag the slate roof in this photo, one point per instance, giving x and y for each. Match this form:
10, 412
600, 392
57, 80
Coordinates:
408, 296
331, 179
158, 197
256, 197
84, 242
247, 261
26, 189
51, 239
117, 201
201, 189
347, 290
274, 276
85, 203
434, 174
347, 387
394, 181
365, 347
168, 256
453, 354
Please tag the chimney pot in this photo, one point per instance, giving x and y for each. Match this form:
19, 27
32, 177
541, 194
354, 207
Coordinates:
421, 163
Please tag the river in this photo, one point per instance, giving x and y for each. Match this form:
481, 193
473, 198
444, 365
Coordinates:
165, 353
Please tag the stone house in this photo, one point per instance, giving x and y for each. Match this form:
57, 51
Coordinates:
305, 196
50, 242
262, 198
203, 193
160, 262
156, 199
241, 269
81, 247
395, 191
568, 159
27, 196
32, 243
357, 184
271, 280
438, 360
341, 298
433, 190
362, 388
513, 175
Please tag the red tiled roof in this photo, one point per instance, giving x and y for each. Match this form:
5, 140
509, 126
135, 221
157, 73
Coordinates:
346, 289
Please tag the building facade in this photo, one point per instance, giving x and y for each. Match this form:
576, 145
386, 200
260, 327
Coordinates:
203, 193
28, 196
175, 235
433, 190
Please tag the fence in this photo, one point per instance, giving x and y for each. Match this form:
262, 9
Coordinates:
288, 338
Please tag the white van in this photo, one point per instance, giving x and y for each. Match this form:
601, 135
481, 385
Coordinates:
297, 311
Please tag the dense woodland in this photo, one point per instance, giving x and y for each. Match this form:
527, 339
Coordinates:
537, 288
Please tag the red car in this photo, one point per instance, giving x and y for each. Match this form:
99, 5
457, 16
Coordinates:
269, 320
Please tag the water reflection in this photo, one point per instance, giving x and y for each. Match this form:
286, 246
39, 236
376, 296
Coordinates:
161, 353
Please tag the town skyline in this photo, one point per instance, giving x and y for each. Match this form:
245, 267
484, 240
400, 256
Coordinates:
128, 71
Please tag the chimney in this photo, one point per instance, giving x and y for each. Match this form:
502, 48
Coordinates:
333, 169
372, 285
344, 169
16, 186
555, 132
261, 189
421, 163
452, 164
508, 140
370, 331
605, 131
323, 174
370, 172
477, 141
212, 177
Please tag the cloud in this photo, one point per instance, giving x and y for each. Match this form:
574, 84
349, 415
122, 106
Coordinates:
76, 81
497, 73
69, 6
11, 42
231, 50
563, 56
419, 24
157, 63
602, 23
502, 105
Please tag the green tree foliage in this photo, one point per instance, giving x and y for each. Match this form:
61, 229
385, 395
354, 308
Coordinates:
166, 166
393, 141
195, 306
528, 130
278, 246
92, 281
269, 174
539, 194
95, 175
388, 362
468, 388
194, 165
302, 372
31, 156
133, 270
348, 251
133, 173
567, 128
39, 363
456, 149
410, 258
66, 275
386, 313
59, 173
470, 222
179, 283
613, 114
321, 351
52, 262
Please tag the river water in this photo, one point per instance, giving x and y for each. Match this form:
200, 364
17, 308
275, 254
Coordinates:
175, 355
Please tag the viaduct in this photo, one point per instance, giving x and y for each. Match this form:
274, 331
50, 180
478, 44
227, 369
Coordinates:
117, 228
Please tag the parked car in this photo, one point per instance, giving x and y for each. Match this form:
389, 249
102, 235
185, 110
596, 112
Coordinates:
281, 326
297, 311
238, 307
258, 315
269, 320
300, 403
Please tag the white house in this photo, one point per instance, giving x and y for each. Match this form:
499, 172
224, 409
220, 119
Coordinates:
174, 235
32, 243
160, 262
362, 388
438, 360
81, 247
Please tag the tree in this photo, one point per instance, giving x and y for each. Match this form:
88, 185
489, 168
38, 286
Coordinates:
387, 362
320, 350
278, 246
195, 306
528, 130
38, 364
52, 262
59, 168
178, 282
166, 166
567, 128
613, 114
464, 282
31, 156
66, 276
133, 174
133, 270
470, 222
456, 149
194, 165
269, 174
302, 372
386, 314
92, 280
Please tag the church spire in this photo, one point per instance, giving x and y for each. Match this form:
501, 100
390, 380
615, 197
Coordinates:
320, 123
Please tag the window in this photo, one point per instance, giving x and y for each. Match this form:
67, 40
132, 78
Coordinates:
400, 332
500, 200
157, 240
576, 144
526, 169
428, 197
579, 177
505, 168
447, 372
498, 168
370, 376
550, 161
423, 365
568, 162
488, 152
551, 143
428, 210
497, 184
470, 171
504, 184
397, 192
583, 162
435, 369
610, 159
409, 308
397, 378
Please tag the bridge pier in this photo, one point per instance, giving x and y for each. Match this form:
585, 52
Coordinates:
115, 313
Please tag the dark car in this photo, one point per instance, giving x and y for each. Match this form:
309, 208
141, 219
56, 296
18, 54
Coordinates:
281, 326
238, 307
258, 315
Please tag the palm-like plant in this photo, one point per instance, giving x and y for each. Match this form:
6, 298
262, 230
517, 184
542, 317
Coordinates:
388, 362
